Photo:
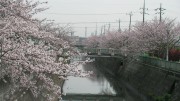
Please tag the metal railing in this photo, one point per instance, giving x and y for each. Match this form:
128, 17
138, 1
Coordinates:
102, 51
91, 97
162, 64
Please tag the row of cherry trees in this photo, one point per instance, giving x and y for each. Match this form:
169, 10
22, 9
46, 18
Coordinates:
152, 37
32, 51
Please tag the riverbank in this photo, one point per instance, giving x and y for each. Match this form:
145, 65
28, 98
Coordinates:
152, 82
156, 84
110, 67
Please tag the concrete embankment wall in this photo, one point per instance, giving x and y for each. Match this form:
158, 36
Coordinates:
150, 81
109, 64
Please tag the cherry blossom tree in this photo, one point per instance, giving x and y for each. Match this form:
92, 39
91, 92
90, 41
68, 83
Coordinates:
113, 39
149, 37
93, 41
155, 36
31, 52
116, 40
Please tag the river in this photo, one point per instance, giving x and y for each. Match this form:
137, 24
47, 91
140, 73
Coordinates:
100, 86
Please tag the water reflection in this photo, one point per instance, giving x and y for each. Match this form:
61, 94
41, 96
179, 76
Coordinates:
101, 86
97, 84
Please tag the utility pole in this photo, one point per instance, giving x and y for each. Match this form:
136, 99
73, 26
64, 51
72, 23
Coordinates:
101, 30
104, 29
72, 33
85, 32
96, 29
130, 15
144, 11
109, 27
119, 30
160, 12
167, 47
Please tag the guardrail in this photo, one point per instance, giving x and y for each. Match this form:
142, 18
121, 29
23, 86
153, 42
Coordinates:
91, 97
102, 51
166, 65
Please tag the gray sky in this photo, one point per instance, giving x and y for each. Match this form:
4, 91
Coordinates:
77, 12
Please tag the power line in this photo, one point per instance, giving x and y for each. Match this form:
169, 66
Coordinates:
91, 22
98, 13
99, 27
85, 13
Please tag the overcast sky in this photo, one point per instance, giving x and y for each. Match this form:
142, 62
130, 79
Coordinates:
77, 12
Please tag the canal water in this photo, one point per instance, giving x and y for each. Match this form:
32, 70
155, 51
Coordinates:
100, 86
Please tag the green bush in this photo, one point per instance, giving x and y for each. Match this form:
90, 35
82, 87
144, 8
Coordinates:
165, 97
